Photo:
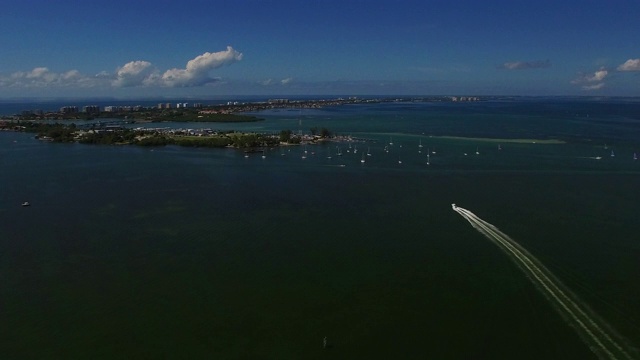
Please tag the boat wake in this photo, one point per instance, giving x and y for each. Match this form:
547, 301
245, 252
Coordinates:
594, 331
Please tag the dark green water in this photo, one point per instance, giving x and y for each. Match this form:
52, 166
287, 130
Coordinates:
194, 253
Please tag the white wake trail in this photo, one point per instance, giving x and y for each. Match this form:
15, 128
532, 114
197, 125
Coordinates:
590, 327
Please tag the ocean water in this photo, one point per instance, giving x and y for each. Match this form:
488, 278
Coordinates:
202, 253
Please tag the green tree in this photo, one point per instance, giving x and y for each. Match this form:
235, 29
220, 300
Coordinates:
285, 136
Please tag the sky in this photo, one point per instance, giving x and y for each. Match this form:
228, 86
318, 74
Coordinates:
199, 48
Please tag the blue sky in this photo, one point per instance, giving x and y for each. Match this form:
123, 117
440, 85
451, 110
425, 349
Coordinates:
198, 48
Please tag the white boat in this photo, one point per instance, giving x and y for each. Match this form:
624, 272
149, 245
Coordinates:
635, 156
263, 155
477, 151
612, 154
26, 203
369, 151
362, 161
420, 143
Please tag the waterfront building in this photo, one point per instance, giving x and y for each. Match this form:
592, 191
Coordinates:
91, 109
69, 109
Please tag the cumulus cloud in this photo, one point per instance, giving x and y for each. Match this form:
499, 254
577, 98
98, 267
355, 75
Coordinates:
197, 71
286, 81
592, 81
266, 82
134, 73
43, 77
525, 65
630, 65
131, 74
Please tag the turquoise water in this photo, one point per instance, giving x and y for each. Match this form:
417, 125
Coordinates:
176, 252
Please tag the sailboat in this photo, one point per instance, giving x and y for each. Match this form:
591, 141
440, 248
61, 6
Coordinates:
263, 155
499, 147
390, 141
477, 151
635, 156
369, 151
428, 159
612, 154
362, 161
329, 153
420, 143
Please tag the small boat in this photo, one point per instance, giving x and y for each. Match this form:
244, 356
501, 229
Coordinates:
635, 156
420, 143
612, 154
263, 155
26, 203
477, 151
499, 147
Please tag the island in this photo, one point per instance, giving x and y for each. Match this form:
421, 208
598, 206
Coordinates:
116, 128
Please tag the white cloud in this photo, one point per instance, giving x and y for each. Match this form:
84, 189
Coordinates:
286, 81
43, 77
197, 71
591, 78
592, 81
598, 75
266, 82
134, 73
131, 74
630, 65
593, 87
525, 65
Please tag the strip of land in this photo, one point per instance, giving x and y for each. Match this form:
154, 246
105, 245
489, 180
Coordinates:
512, 141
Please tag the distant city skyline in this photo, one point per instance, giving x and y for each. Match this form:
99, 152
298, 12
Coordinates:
198, 48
